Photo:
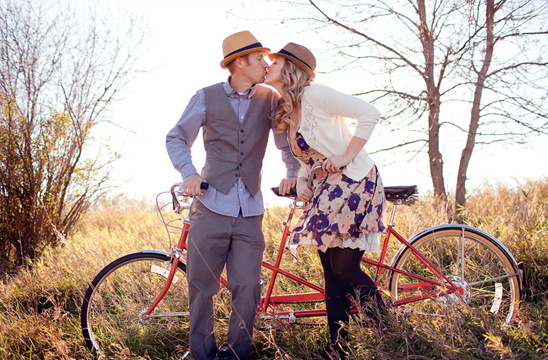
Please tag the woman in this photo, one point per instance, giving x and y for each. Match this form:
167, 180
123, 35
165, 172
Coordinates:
344, 218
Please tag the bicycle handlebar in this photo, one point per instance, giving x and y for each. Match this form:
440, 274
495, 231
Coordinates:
175, 193
291, 194
293, 191
312, 175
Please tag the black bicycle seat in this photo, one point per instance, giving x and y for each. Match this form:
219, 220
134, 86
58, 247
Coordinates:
394, 193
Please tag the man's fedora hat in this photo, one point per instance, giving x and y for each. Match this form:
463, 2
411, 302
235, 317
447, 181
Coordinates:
240, 44
300, 56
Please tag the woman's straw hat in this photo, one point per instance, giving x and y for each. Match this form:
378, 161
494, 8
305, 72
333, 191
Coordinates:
300, 56
240, 44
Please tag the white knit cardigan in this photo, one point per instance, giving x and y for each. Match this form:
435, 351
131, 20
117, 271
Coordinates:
323, 126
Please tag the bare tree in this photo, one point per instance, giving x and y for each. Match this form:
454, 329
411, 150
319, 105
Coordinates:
474, 68
507, 90
60, 69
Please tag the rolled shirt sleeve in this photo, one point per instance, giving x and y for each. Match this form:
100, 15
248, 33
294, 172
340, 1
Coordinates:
180, 138
292, 165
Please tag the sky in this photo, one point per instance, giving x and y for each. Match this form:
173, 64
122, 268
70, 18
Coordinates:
183, 54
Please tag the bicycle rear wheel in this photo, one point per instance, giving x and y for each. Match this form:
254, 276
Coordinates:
469, 258
112, 321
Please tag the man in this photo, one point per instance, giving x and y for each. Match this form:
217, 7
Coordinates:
226, 221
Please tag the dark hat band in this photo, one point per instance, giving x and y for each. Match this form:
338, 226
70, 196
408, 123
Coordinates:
252, 46
285, 52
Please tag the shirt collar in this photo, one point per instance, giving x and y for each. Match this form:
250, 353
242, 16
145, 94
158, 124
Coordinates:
231, 93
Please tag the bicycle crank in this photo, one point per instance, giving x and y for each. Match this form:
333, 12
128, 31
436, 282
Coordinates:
263, 321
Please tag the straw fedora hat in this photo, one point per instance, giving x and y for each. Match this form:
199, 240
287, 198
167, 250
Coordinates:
240, 44
300, 56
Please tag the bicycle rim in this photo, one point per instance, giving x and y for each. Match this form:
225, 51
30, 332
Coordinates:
470, 260
112, 321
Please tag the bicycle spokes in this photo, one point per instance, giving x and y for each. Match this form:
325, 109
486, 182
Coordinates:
477, 274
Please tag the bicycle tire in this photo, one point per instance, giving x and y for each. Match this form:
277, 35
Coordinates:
491, 275
111, 318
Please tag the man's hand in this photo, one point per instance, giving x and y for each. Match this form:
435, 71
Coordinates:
303, 192
286, 185
191, 185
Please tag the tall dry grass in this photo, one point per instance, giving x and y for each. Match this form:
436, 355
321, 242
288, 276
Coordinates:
39, 307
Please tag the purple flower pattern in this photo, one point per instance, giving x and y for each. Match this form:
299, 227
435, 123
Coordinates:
340, 207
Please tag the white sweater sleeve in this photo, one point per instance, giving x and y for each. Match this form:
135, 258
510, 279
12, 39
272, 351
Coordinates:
338, 104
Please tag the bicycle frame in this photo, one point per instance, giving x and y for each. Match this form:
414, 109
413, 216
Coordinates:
443, 286
318, 294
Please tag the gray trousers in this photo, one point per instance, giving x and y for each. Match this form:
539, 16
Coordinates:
215, 241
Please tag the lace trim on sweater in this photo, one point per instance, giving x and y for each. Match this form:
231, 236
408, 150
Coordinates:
309, 125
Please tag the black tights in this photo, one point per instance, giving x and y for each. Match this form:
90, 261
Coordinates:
344, 279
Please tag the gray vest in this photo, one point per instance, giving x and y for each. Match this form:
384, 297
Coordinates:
235, 149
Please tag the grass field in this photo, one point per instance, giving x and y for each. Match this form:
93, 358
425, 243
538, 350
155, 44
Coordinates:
39, 307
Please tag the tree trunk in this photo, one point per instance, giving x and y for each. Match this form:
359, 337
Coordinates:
433, 98
460, 194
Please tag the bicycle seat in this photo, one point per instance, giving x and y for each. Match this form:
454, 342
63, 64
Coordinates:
394, 193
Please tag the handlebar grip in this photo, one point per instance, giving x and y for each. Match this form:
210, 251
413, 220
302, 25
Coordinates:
203, 186
292, 192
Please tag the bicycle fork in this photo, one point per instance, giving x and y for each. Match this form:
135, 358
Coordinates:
176, 257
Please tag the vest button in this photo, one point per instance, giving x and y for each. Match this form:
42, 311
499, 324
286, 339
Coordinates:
241, 153
241, 142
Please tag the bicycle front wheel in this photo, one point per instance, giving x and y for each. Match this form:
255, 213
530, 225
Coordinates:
470, 259
112, 311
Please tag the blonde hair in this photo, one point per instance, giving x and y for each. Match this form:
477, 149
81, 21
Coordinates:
294, 81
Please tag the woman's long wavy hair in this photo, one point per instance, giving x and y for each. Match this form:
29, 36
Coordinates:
294, 81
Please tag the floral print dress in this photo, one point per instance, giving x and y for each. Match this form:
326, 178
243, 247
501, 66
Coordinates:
343, 212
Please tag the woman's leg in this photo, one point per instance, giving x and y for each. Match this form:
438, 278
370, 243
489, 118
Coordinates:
346, 268
336, 300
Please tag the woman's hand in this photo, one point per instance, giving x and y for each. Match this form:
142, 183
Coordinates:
336, 163
303, 192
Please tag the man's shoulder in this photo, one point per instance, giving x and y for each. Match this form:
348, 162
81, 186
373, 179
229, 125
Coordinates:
213, 86
266, 91
265, 88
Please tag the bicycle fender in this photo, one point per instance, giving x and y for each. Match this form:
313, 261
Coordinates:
162, 252
459, 227
154, 251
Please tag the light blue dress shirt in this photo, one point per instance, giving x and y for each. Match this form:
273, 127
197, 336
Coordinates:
180, 139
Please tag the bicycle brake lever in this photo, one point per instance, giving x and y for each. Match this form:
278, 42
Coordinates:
174, 200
